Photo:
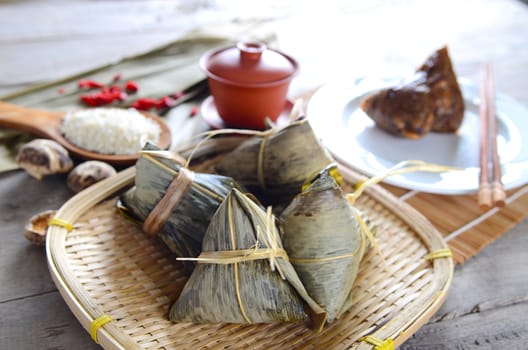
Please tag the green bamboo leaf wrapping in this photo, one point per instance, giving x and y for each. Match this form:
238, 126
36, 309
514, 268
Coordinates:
247, 291
324, 241
290, 156
184, 230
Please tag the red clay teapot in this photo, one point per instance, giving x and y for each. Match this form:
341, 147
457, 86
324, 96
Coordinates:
249, 83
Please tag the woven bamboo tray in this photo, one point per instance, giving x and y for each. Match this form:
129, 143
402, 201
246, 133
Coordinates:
105, 266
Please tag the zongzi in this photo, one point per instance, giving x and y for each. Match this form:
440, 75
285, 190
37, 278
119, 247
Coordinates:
323, 237
243, 274
173, 202
273, 166
429, 100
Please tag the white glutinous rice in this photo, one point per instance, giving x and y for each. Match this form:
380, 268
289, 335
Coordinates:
110, 130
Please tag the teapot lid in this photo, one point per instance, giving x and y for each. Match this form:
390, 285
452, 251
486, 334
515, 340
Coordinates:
248, 63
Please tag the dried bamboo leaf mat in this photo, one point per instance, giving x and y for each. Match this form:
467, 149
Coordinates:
465, 228
107, 267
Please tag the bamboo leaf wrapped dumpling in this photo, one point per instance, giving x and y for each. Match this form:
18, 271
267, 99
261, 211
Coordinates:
243, 274
274, 165
173, 202
323, 238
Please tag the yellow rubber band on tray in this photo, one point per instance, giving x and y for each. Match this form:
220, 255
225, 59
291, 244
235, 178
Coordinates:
62, 223
387, 344
98, 323
440, 253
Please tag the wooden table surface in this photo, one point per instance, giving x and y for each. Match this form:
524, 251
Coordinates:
487, 306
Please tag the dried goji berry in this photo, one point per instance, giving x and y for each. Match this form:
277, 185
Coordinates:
131, 86
121, 96
92, 100
89, 84
113, 88
116, 92
106, 98
103, 97
143, 104
165, 102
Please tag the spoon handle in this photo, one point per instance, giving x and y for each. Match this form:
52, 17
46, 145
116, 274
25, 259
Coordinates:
37, 122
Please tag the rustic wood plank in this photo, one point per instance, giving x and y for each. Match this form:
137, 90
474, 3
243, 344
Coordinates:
41, 322
494, 273
498, 328
23, 269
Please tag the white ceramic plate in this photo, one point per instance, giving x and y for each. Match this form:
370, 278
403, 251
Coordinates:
353, 138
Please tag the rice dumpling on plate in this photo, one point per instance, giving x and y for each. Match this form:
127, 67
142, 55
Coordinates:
173, 202
243, 274
429, 100
274, 166
323, 237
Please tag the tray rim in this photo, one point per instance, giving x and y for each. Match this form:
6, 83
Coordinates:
109, 336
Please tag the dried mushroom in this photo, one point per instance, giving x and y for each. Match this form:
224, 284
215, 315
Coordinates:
42, 157
88, 173
37, 227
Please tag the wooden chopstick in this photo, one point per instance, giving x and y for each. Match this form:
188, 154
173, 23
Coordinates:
497, 189
491, 190
484, 193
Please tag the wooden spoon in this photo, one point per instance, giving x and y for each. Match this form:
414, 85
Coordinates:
47, 124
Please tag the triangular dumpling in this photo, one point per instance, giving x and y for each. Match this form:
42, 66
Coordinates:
234, 281
431, 100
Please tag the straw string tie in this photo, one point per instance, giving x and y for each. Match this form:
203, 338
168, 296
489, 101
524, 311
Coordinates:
260, 161
226, 257
407, 166
170, 200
